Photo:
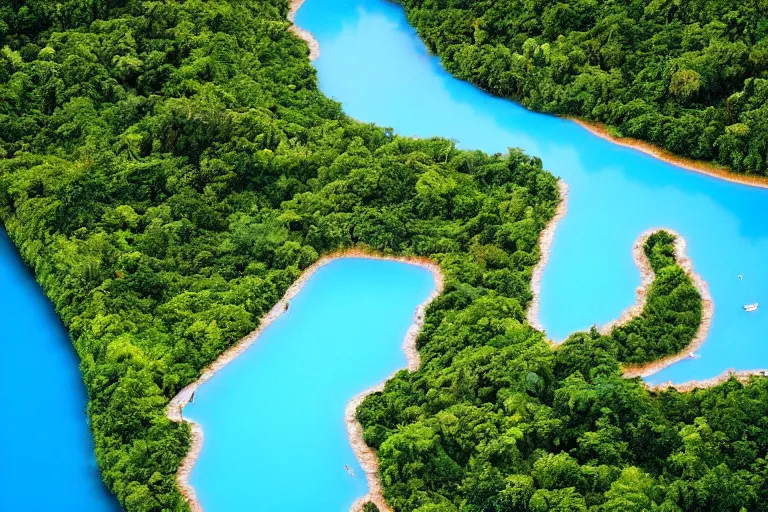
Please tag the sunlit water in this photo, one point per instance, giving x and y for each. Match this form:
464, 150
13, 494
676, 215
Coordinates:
46, 452
373, 62
275, 438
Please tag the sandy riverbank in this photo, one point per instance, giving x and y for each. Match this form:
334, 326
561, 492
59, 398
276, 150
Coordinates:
742, 376
365, 455
306, 35
546, 237
647, 276
689, 164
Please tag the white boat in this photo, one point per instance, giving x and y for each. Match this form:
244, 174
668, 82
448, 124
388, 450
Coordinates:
750, 307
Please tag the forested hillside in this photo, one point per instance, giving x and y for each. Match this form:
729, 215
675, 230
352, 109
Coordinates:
169, 168
496, 421
690, 76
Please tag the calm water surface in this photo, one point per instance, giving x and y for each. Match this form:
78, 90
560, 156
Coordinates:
46, 451
373, 62
274, 418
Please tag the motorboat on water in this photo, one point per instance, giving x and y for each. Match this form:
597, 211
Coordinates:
749, 308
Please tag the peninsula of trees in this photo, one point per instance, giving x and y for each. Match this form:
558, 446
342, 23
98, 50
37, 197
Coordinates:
495, 420
688, 76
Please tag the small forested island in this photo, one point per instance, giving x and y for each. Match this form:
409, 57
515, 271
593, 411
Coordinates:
169, 168
688, 76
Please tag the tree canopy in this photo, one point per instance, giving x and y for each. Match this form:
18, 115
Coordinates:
168, 168
690, 76
497, 421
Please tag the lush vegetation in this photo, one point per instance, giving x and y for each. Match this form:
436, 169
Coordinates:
495, 420
169, 168
688, 75
672, 312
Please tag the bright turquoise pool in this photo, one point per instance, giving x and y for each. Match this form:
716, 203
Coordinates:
46, 451
373, 62
274, 418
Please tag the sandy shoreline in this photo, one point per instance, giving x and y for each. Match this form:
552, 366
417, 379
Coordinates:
546, 237
689, 164
647, 276
742, 376
364, 454
367, 457
306, 35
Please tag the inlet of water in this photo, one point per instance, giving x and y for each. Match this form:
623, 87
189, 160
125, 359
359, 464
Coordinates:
373, 62
273, 419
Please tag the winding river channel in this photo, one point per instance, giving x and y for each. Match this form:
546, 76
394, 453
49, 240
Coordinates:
373, 62
275, 414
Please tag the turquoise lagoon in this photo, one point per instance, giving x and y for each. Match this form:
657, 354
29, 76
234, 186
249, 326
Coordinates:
46, 451
373, 62
273, 419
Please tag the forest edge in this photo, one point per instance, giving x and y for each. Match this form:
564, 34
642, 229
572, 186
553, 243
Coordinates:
365, 455
647, 276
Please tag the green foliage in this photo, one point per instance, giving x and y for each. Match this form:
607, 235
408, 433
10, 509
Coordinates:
497, 421
675, 73
168, 170
672, 312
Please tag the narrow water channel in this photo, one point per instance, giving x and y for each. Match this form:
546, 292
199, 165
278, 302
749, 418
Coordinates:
373, 62
46, 451
273, 419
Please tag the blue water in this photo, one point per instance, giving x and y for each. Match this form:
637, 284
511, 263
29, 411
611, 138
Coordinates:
274, 418
373, 62
46, 451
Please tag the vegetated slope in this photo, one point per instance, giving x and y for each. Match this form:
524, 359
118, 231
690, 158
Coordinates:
688, 75
168, 168
672, 313
497, 421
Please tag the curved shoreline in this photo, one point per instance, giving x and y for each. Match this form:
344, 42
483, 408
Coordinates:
546, 238
742, 376
689, 164
647, 276
365, 455
306, 35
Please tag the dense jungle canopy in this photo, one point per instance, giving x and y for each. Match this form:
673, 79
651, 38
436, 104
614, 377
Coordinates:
690, 76
168, 168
